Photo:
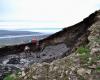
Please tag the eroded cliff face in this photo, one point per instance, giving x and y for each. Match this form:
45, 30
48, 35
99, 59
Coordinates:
82, 64
70, 54
72, 36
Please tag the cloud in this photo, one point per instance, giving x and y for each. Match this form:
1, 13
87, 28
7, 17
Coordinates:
6, 7
46, 13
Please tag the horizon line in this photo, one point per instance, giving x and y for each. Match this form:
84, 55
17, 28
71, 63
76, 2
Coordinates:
29, 21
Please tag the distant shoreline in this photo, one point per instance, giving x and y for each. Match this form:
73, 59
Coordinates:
20, 39
18, 36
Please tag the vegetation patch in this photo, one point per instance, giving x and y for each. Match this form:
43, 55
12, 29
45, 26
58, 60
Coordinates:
10, 77
83, 50
97, 39
98, 69
84, 54
13, 76
81, 77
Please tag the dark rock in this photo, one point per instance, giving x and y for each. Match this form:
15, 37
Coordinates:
55, 46
14, 61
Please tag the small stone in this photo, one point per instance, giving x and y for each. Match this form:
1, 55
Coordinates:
55, 68
61, 75
90, 59
73, 68
93, 66
81, 71
94, 50
25, 77
23, 73
34, 77
66, 72
88, 71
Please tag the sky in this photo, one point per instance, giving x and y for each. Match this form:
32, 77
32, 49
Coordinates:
44, 15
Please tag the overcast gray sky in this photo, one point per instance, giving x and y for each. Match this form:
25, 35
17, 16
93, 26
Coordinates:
29, 14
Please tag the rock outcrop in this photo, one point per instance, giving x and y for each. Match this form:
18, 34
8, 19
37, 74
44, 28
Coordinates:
71, 36
83, 63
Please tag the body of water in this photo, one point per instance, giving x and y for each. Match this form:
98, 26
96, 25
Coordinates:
18, 36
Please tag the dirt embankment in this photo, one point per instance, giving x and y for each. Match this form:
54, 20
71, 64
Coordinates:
55, 47
71, 36
82, 64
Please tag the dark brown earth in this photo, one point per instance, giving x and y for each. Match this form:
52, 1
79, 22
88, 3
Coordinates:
70, 36
55, 46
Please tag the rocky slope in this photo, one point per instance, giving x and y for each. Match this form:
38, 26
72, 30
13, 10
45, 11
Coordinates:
80, 45
82, 64
69, 36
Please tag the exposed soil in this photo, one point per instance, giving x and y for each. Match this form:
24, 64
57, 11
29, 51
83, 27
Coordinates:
55, 46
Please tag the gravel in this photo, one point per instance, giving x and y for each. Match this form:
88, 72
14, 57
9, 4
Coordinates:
14, 61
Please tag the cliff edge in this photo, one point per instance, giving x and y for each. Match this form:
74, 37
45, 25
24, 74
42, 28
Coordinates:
81, 62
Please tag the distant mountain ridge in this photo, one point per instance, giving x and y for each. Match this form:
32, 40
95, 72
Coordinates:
14, 33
